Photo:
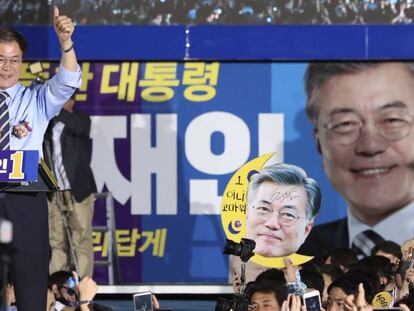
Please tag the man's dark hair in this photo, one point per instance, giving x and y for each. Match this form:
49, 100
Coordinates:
267, 286
350, 280
378, 264
389, 247
341, 256
8, 35
271, 280
276, 276
333, 271
59, 278
312, 279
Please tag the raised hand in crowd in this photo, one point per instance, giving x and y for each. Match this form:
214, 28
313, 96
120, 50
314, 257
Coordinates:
10, 297
404, 307
293, 303
290, 270
357, 303
87, 290
155, 303
235, 281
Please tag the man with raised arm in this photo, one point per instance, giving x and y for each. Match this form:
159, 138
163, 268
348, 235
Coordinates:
24, 115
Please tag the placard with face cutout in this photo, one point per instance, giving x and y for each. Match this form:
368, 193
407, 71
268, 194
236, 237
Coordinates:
273, 204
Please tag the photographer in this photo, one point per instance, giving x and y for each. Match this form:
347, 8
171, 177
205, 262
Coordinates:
70, 293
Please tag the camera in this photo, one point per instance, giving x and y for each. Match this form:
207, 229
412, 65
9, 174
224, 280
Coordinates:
404, 265
244, 249
239, 301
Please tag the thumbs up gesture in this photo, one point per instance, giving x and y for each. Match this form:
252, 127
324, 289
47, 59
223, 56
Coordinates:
63, 27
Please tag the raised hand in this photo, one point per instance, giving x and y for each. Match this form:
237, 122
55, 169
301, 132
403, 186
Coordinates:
87, 288
290, 270
64, 28
293, 303
358, 304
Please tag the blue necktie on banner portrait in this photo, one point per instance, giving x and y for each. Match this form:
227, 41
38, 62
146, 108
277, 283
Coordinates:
365, 241
4, 122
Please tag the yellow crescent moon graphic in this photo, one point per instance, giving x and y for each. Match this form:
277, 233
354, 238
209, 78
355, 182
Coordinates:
234, 208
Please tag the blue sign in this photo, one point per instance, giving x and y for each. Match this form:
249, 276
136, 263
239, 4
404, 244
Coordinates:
19, 165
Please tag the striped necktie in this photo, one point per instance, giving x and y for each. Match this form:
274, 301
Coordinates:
365, 241
4, 122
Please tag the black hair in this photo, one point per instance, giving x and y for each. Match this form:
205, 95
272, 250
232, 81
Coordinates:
8, 35
341, 256
58, 278
274, 275
389, 247
333, 271
350, 280
267, 286
312, 279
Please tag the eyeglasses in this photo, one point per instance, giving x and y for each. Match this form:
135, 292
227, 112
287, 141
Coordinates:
285, 216
393, 124
12, 61
70, 291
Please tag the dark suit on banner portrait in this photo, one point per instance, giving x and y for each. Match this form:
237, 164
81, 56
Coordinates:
325, 237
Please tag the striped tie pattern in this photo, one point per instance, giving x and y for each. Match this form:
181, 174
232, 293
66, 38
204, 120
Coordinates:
4, 122
365, 241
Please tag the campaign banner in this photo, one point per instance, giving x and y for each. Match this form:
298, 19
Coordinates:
167, 137
19, 166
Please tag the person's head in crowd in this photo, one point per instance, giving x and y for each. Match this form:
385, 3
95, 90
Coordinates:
341, 257
58, 284
369, 277
312, 279
362, 115
388, 249
344, 286
69, 290
12, 47
379, 265
265, 295
282, 205
276, 276
329, 274
310, 265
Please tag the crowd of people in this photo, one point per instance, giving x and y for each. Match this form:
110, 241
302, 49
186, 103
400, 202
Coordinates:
343, 281
173, 12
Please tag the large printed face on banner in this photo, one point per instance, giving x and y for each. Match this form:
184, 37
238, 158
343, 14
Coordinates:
276, 218
272, 204
365, 136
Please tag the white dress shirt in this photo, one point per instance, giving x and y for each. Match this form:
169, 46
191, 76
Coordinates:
397, 227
